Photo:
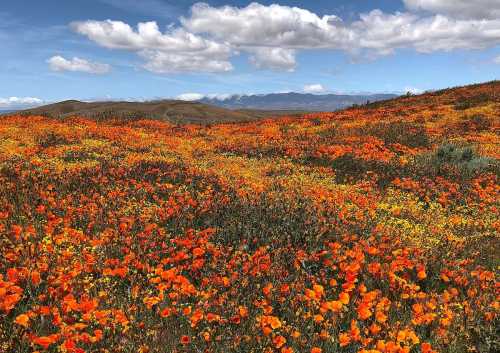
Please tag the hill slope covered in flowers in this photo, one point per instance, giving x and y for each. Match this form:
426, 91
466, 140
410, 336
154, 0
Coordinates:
373, 229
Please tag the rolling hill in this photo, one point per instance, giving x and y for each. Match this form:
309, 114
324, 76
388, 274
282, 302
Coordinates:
167, 110
233, 109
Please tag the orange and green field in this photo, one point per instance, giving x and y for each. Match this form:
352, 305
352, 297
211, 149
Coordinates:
374, 229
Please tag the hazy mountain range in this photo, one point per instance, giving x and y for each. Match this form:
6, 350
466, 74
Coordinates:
294, 101
231, 109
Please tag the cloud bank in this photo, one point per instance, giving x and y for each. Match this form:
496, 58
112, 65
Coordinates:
271, 36
314, 88
190, 96
14, 103
173, 51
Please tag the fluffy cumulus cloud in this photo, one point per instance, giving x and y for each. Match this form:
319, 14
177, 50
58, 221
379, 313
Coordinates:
384, 33
58, 63
165, 62
19, 102
175, 50
272, 35
314, 88
294, 28
273, 58
273, 25
479, 9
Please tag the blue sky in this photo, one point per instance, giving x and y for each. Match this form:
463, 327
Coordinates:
55, 50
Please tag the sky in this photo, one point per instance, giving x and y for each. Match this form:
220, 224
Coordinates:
151, 49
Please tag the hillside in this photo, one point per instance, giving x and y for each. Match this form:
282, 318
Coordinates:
295, 101
373, 229
173, 111
233, 109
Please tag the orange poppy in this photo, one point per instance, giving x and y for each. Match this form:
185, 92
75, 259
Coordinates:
45, 341
267, 289
185, 339
279, 341
22, 320
344, 339
344, 298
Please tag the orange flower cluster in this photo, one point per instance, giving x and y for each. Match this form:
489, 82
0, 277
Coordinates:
321, 233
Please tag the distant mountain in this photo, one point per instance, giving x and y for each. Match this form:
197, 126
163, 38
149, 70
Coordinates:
168, 110
295, 101
207, 110
6, 111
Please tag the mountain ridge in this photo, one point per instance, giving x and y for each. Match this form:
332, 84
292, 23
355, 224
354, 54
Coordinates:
238, 108
168, 110
294, 101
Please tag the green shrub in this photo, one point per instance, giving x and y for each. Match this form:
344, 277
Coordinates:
454, 161
350, 169
471, 102
480, 122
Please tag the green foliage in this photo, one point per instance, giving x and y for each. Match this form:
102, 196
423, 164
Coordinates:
350, 169
455, 161
402, 132
477, 122
471, 102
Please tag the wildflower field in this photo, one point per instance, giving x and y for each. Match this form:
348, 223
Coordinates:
373, 229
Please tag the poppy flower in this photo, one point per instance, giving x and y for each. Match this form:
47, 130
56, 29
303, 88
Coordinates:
45, 341
185, 340
344, 339
22, 320
274, 322
344, 298
279, 341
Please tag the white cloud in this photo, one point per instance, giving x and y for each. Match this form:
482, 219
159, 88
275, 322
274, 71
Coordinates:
384, 33
164, 63
413, 90
314, 88
119, 35
173, 51
272, 35
220, 96
275, 26
497, 60
273, 58
465, 9
58, 63
19, 102
198, 96
287, 27
190, 96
